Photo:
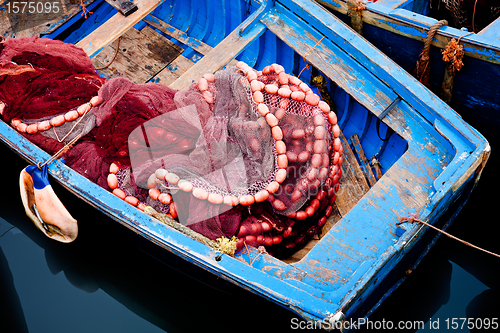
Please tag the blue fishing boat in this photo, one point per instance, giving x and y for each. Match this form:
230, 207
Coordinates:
400, 30
405, 152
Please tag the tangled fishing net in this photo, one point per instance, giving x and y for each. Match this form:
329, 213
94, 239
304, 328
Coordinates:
241, 153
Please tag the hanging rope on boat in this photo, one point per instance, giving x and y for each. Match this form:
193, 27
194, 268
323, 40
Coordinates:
412, 219
452, 56
423, 70
354, 10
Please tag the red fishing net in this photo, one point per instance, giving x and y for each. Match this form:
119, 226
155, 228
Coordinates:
245, 153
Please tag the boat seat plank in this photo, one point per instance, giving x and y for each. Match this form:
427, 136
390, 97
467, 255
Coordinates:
115, 27
141, 55
367, 170
220, 56
179, 35
353, 184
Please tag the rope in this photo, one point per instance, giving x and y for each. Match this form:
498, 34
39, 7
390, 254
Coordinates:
412, 219
306, 54
422, 70
114, 56
85, 11
452, 56
473, 16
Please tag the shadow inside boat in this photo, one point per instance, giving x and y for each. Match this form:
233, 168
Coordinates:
157, 286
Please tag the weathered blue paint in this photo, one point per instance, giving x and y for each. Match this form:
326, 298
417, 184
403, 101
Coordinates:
431, 161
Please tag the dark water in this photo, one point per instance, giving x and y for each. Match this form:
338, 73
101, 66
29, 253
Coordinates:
104, 283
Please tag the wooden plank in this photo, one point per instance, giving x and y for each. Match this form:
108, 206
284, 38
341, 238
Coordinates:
175, 69
367, 170
180, 65
142, 54
220, 56
353, 184
115, 27
181, 36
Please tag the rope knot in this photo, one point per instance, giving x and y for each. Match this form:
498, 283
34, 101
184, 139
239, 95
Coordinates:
453, 54
355, 6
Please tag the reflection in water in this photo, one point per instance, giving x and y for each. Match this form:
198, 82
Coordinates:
11, 312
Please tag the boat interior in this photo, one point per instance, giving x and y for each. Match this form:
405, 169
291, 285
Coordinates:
174, 42
172, 38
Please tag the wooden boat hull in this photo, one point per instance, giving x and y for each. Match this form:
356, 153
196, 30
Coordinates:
399, 29
430, 161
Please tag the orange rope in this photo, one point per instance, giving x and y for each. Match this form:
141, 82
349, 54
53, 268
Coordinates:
114, 56
412, 218
453, 53
473, 16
